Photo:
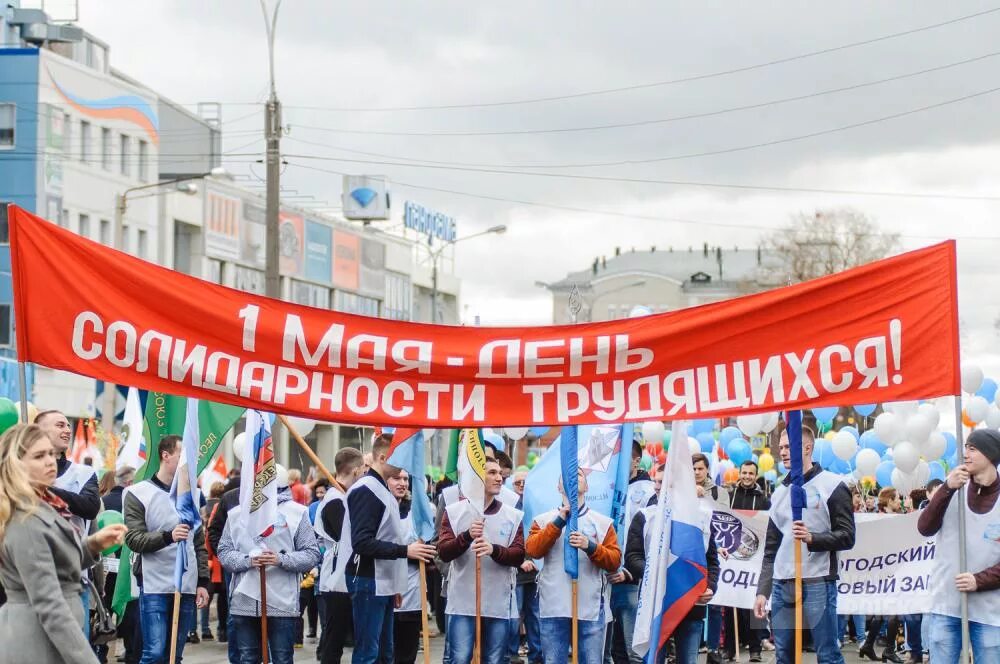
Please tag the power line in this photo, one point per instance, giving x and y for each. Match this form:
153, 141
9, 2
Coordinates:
643, 123
642, 86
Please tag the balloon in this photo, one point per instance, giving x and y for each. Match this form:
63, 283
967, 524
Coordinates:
771, 476
303, 425
645, 463
667, 435
977, 409
661, 458
823, 453
902, 482
840, 467
728, 434
694, 445
972, 378
993, 418
949, 439
239, 446
883, 474
865, 410
918, 428
738, 451
935, 446
32, 412
825, 414
868, 482
8, 414
922, 474
282, 475
889, 428
844, 445
731, 476
516, 433
905, 456
967, 421
765, 462
109, 518
652, 431
853, 431
867, 462
750, 424
706, 441
770, 422
780, 467
936, 471
538, 432
701, 426
495, 439
929, 411
829, 435
870, 441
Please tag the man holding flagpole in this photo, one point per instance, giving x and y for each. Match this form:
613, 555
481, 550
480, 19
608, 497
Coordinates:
811, 507
158, 534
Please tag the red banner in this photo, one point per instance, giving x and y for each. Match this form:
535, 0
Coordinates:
886, 331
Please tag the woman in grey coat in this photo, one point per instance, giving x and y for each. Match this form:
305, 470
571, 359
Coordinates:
41, 555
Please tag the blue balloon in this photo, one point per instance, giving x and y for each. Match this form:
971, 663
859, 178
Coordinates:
496, 439
539, 431
864, 410
707, 442
952, 446
988, 390
883, 474
771, 475
738, 451
937, 471
823, 453
870, 440
840, 466
701, 426
853, 431
780, 467
825, 414
728, 434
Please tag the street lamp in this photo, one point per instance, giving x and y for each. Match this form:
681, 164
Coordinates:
590, 305
436, 254
577, 302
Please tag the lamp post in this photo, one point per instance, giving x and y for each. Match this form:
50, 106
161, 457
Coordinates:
272, 132
436, 254
576, 301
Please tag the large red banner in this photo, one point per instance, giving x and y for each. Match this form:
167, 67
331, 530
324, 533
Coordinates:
886, 331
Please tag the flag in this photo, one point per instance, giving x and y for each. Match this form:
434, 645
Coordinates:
451, 465
569, 464
133, 446
671, 583
407, 452
217, 472
165, 415
798, 495
79, 444
84, 445
184, 490
259, 479
472, 468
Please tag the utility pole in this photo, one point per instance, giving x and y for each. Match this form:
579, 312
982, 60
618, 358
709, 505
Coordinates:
272, 132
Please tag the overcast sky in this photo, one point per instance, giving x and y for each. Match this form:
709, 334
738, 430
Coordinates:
365, 55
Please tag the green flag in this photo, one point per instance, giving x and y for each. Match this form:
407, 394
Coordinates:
451, 467
164, 416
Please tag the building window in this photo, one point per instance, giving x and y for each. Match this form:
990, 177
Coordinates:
85, 139
8, 121
4, 227
143, 244
125, 240
67, 134
125, 144
6, 333
310, 294
105, 237
143, 161
349, 303
106, 149
398, 295
84, 228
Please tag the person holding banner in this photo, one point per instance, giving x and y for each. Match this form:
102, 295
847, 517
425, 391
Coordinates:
155, 533
287, 552
827, 526
597, 540
496, 538
338, 623
982, 546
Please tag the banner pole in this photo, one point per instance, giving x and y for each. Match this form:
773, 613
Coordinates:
798, 602
263, 616
963, 563
22, 375
173, 627
479, 633
574, 626
304, 446
736, 633
423, 613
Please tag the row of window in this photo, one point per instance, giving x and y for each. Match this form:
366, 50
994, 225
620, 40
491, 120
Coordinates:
84, 147
105, 234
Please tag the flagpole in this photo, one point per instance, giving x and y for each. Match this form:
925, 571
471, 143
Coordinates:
479, 630
263, 616
423, 612
963, 563
173, 627
736, 633
575, 632
306, 449
22, 374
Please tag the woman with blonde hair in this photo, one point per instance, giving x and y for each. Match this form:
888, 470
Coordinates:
41, 555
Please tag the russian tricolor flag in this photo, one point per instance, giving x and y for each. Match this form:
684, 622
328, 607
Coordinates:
406, 451
676, 573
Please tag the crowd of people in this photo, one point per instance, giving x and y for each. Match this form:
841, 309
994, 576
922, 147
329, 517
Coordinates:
344, 563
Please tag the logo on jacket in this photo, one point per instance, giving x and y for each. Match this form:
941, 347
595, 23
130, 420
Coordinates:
729, 534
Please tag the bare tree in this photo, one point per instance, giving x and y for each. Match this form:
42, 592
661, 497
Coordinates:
828, 241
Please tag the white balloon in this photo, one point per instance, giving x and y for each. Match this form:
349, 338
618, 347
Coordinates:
935, 446
931, 412
652, 432
922, 474
918, 428
282, 474
903, 408
239, 445
516, 433
902, 482
993, 417
302, 425
868, 461
771, 421
905, 456
750, 425
844, 445
977, 409
694, 445
888, 428
972, 378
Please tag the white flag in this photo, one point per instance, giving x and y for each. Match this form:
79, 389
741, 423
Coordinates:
133, 447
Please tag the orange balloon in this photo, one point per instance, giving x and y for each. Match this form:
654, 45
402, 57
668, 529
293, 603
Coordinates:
966, 421
730, 476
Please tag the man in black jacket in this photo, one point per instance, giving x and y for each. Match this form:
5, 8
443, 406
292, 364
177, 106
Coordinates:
75, 484
129, 628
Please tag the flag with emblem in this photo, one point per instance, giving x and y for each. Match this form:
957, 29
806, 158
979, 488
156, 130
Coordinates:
472, 468
259, 479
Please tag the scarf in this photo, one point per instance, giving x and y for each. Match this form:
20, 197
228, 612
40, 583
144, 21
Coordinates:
56, 503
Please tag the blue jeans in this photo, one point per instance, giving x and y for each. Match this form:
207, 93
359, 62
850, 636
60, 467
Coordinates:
859, 627
527, 606
280, 639
372, 622
556, 636
85, 599
714, 627
155, 616
231, 648
462, 637
945, 635
687, 638
819, 613
624, 604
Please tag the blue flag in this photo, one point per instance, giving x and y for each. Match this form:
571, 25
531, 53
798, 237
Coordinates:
184, 489
798, 494
407, 452
569, 464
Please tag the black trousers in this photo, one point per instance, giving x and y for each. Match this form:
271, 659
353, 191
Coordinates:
338, 625
307, 605
749, 636
406, 636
